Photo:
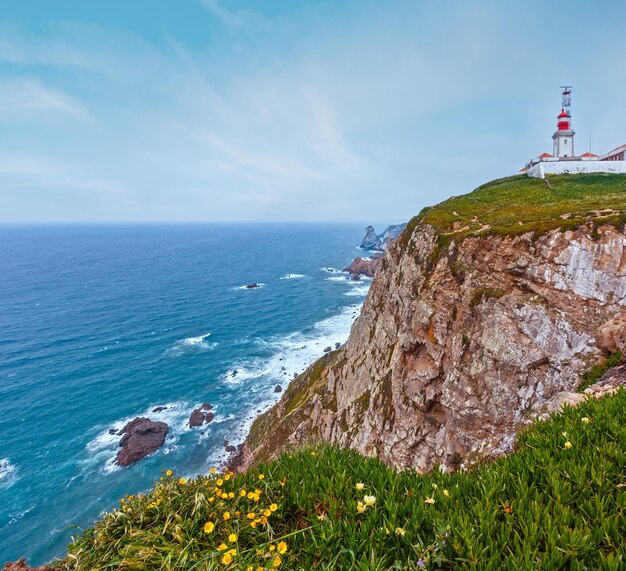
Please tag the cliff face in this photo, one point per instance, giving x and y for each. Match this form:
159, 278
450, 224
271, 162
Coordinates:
459, 342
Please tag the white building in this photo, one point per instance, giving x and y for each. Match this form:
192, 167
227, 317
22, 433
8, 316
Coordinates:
564, 160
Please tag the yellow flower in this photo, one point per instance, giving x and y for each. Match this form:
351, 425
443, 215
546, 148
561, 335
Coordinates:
273, 507
263, 520
209, 526
400, 531
227, 558
227, 477
360, 487
267, 513
277, 561
232, 538
446, 493
261, 476
568, 445
360, 507
169, 473
222, 546
585, 420
212, 470
369, 500
250, 515
282, 547
250, 495
249, 568
429, 501
232, 552
226, 516
182, 481
242, 493
231, 495
564, 434
220, 482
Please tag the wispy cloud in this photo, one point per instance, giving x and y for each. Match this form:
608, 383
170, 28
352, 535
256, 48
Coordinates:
29, 98
232, 18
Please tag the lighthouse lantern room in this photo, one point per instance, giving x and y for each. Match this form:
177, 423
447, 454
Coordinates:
563, 138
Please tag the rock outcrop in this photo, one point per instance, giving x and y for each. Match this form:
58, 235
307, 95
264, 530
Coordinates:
200, 415
459, 343
142, 436
364, 266
379, 242
21, 565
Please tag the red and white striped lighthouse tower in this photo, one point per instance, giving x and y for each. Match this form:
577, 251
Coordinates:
563, 138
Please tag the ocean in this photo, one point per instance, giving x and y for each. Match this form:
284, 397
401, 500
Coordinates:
101, 324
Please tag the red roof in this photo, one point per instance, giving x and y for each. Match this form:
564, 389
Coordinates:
563, 114
617, 149
589, 155
545, 156
523, 169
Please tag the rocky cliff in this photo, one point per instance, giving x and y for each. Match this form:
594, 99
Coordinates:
379, 242
486, 307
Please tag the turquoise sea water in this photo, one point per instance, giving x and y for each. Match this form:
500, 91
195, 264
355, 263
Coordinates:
99, 325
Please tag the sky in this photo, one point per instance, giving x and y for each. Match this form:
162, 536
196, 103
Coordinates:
289, 110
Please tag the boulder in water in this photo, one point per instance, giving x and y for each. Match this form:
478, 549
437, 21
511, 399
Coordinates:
196, 418
142, 436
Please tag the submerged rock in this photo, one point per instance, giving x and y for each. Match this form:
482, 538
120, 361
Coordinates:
159, 409
278, 389
142, 436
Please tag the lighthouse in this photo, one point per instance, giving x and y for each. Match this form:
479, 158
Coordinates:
563, 138
563, 159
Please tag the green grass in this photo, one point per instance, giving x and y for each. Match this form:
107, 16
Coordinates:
520, 204
558, 502
597, 371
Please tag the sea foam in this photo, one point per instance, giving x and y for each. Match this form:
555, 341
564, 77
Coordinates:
289, 355
198, 343
7, 472
292, 276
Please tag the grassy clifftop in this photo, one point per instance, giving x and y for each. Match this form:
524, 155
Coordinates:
557, 503
521, 204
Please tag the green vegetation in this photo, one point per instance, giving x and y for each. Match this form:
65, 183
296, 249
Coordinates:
483, 293
520, 204
557, 503
597, 371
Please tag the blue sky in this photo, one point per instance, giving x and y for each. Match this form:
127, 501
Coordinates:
286, 110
